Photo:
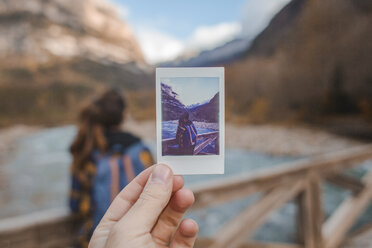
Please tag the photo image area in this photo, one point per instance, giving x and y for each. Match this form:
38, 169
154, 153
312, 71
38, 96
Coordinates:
190, 116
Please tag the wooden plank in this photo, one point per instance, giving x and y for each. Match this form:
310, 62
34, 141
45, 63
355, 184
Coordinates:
204, 144
50, 228
212, 193
346, 182
172, 141
270, 245
207, 135
244, 224
205, 242
347, 213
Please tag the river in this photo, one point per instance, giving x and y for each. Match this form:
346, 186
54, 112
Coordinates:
37, 177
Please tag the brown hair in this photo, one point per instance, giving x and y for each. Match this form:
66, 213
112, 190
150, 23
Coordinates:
99, 116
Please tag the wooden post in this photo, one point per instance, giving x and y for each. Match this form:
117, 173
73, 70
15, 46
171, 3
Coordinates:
311, 214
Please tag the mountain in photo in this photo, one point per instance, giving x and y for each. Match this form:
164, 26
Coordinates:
54, 53
172, 108
208, 112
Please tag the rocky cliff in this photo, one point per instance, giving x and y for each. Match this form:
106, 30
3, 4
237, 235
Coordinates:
172, 108
208, 112
55, 53
42, 30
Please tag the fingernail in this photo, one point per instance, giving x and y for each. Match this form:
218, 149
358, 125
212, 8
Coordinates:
161, 174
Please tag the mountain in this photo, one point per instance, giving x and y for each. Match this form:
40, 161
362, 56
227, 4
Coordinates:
56, 53
43, 30
264, 43
224, 54
278, 30
172, 108
313, 60
208, 112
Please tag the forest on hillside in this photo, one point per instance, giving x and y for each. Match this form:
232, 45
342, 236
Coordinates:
311, 65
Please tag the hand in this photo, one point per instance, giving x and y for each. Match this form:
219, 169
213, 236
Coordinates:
147, 213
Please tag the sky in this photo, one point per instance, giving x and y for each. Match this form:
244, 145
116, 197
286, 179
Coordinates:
192, 90
167, 29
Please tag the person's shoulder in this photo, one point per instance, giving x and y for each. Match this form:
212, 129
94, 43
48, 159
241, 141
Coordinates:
190, 123
125, 139
129, 135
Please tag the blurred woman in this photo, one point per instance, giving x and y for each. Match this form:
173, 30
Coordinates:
105, 160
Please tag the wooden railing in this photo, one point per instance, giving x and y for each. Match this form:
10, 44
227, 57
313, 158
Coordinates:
207, 138
300, 181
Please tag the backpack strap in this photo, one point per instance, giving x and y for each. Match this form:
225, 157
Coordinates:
128, 168
194, 130
114, 168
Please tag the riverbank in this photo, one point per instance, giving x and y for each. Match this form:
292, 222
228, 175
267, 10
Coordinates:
270, 139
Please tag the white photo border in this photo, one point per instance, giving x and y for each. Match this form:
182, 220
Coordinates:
189, 165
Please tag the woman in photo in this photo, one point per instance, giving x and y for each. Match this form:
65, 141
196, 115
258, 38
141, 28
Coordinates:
105, 160
186, 135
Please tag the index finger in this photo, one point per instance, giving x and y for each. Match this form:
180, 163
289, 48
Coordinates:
130, 194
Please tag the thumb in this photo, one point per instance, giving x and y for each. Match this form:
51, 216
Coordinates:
154, 198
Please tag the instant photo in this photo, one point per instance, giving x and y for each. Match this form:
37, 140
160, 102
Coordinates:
190, 119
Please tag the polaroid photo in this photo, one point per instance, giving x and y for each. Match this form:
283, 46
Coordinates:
190, 119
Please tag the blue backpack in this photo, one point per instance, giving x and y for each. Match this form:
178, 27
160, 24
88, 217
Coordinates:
112, 172
190, 135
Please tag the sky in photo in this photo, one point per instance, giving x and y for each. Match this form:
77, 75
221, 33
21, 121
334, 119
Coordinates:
167, 29
192, 90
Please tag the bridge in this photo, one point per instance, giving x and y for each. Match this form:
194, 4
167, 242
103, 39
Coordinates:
206, 138
299, 181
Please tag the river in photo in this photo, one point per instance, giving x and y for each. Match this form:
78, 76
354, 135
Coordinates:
169, 128
36, 177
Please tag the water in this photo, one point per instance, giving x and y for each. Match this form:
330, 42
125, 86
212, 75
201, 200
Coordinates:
37, 178
169, 129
